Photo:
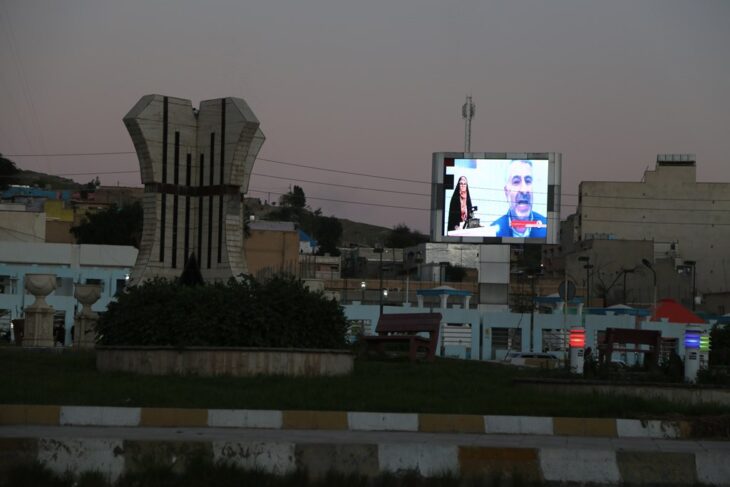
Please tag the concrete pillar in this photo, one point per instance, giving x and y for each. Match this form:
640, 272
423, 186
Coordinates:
444, 299
85, 321
420, 300
467, 300
39, 315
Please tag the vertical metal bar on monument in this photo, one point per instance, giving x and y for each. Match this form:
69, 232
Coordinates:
175, 197
222, 166
210, 198
200, 209
163, 196
188, 169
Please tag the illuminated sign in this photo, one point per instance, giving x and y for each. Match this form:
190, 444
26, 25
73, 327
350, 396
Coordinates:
495, 197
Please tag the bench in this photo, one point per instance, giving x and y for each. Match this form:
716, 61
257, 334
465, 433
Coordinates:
404, 328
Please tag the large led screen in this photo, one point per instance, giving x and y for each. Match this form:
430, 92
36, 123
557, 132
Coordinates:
495, 198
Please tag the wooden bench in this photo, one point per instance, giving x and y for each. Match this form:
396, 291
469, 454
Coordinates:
404, 327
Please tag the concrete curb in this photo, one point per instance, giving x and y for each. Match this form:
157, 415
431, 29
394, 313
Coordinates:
114, 457
339, 420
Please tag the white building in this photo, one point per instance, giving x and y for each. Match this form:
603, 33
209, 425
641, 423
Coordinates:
108, 265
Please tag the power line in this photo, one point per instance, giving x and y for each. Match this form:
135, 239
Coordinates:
563, 195
345, 172
341, 185
73, 154
349, 202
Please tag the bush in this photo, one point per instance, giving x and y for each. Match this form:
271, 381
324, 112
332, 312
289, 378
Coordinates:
242, 313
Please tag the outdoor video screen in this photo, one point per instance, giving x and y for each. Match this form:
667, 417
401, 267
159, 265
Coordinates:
495, 198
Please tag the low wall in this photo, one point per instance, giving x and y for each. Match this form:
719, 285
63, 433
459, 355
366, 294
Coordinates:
690, 394
212, 361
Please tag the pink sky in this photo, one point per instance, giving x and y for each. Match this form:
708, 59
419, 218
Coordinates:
375, 87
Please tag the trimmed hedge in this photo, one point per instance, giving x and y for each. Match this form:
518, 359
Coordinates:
280, 312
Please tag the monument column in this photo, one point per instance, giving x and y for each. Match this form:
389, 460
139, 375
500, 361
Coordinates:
195, 166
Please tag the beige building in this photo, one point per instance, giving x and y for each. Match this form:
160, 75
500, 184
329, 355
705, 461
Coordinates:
19, 225
688, 221
271, 248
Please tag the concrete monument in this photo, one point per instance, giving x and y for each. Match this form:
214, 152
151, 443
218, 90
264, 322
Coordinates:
195, 167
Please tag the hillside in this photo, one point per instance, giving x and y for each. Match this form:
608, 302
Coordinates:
353, 233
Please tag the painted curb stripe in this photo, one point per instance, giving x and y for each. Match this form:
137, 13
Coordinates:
585, 427
99, 416
15, 414
382, 421
424, 458
519, 464
565, 465
30, 414
518, 425
320, 459
173, 417
270, 457
244, 418
658, 468
115, 457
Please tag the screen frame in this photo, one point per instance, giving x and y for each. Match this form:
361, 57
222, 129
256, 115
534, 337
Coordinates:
550, 200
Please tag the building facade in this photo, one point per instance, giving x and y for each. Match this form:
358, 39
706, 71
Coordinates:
107, 265
688, 221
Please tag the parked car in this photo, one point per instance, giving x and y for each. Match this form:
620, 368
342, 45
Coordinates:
532, 359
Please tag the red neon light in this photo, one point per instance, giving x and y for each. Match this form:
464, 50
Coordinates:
577, 338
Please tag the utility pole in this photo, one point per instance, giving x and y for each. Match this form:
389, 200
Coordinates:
467, 113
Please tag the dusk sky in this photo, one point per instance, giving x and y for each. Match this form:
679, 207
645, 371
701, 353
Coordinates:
375, 87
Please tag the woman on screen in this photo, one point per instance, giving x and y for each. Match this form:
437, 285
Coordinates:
460, 206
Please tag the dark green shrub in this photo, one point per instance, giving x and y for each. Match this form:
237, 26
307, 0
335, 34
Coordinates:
241, 313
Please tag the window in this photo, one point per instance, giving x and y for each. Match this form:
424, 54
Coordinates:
8, 285
64, 286
119, 286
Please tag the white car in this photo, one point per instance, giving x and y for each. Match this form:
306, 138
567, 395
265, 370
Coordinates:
532, 359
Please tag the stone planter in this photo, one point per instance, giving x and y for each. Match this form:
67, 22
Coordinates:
86, 319
215, 361
39, 315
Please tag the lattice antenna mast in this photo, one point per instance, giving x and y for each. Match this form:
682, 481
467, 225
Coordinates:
467, 113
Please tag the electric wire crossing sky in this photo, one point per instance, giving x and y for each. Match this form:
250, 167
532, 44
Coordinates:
195, 165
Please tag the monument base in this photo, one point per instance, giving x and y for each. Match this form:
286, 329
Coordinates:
38, 327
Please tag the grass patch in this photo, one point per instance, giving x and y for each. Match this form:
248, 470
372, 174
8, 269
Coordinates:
445, 386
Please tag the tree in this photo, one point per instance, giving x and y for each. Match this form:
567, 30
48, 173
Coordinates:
401, 237
455, 273
8, 172
112, 226
294, 198
328, 231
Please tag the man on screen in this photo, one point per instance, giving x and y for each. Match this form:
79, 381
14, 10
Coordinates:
520, 220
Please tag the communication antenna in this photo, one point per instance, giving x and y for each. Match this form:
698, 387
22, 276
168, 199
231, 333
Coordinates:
467, 113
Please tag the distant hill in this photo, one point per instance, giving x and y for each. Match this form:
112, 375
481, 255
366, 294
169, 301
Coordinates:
45, 181
11, 174
353, 233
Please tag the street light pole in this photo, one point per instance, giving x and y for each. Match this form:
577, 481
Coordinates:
587, 267
532, 312
653, 271
693, 264
379, 250
626, 271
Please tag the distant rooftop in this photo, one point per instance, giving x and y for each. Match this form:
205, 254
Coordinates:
272, 226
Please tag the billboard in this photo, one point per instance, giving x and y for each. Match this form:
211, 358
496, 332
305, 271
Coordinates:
495, 197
